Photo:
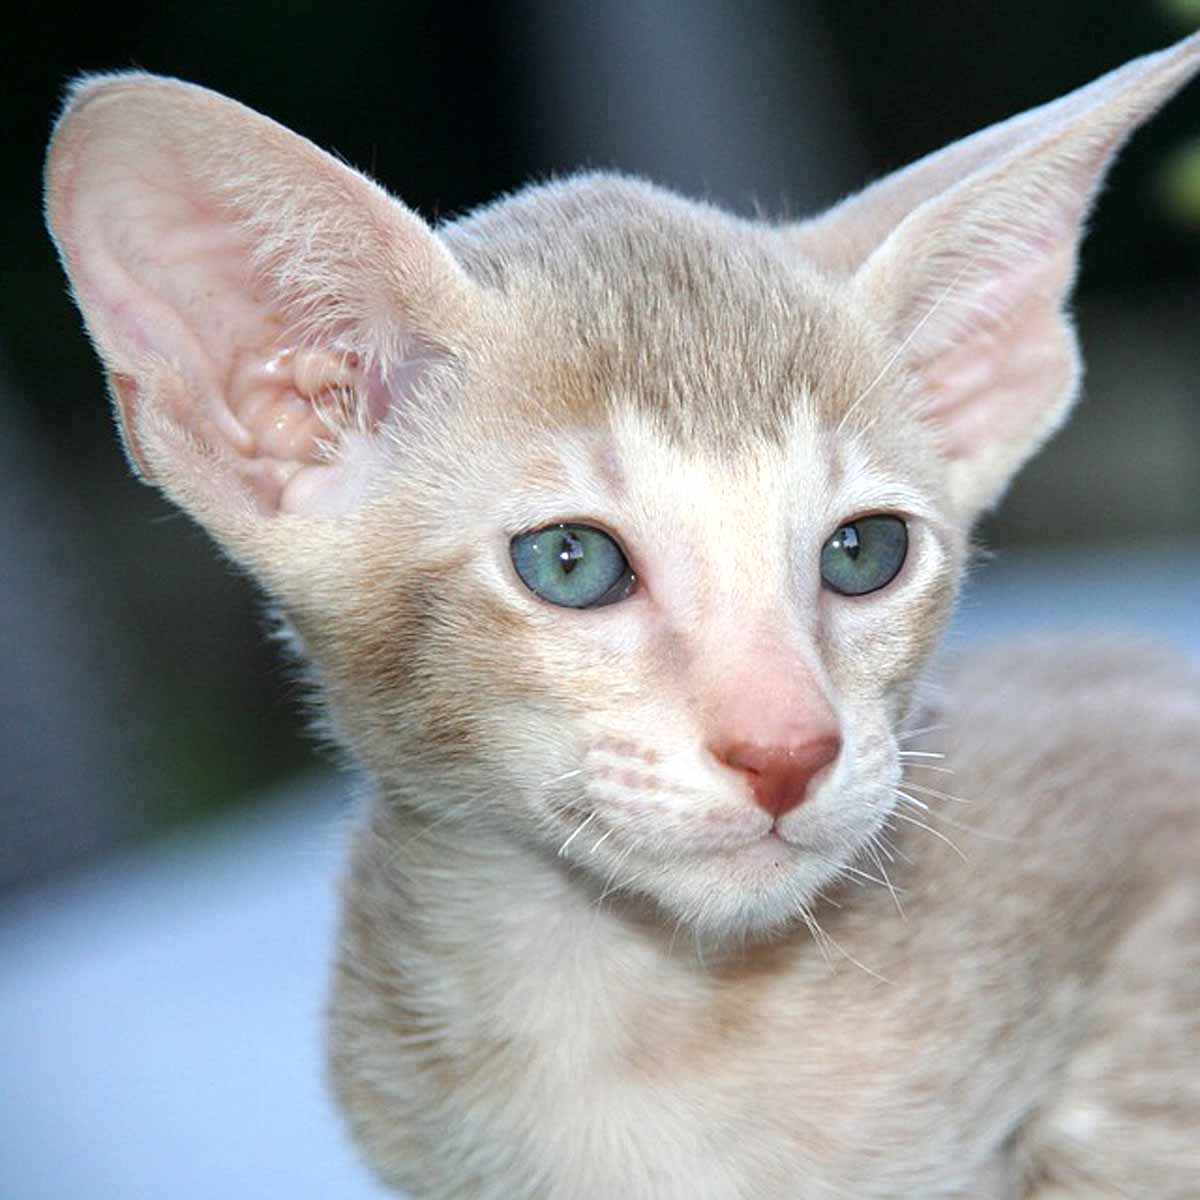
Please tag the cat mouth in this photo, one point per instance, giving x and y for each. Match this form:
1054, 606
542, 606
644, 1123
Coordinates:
742, 839
769, 848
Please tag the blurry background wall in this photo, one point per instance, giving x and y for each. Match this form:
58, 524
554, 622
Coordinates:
136, 689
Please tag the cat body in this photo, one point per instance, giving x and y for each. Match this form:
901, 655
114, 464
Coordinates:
1029, 1020
619, 533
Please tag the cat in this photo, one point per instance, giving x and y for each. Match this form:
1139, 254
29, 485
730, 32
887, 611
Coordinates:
619, 532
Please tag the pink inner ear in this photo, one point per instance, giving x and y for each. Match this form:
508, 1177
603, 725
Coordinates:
164, 274
990, 390
148, 243
248, 293
975, 263
973, 285
989, 367
295, 406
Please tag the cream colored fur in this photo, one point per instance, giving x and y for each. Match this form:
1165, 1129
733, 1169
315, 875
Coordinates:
577, 960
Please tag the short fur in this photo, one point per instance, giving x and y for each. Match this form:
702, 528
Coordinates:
577, 959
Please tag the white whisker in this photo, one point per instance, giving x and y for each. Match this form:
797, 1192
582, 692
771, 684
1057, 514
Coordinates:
907, 735
560, 778
611, 884
928, 791
583, 825
930, 767
678, 925
874, 853
911, 799
454, 812
899, 351
929, 829
882, 842
818, 934
825, 940
985, 834
601, 840
847, 869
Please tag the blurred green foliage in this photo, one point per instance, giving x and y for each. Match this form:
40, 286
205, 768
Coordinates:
1186, 12
1179, 186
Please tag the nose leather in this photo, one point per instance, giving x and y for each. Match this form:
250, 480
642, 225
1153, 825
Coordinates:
779, 775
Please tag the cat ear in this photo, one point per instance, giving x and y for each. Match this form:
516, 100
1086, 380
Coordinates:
260, 308
968, 256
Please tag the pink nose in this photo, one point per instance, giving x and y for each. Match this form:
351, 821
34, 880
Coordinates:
779, 775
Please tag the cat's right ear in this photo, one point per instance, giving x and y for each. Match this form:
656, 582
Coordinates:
260, 308
965, 261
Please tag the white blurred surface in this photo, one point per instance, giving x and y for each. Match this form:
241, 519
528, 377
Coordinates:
160, 1016
1151, 590
160, 1019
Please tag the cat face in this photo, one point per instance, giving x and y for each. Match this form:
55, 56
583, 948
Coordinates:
761, 446
706, 467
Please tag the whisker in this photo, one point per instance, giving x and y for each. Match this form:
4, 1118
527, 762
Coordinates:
920, 754
817, 933
822, 937
932, 685
911, 799
560, 778
899, 351
583, 825
985, 834
849, 870
929, 829
885, 846
676, 927
886, 880
928, 791
610, 884
906, 735
453, 812
602, 839
931, 767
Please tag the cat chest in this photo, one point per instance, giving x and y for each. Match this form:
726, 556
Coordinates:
685, 1109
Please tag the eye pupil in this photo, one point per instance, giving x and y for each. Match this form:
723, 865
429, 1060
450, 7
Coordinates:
846, 540
572, 566
570, 551
864, 555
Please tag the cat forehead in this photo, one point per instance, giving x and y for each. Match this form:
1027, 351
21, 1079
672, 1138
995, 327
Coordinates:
616, 294
630, 467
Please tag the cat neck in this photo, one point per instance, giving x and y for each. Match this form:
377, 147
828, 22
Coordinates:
513, 940
480, 982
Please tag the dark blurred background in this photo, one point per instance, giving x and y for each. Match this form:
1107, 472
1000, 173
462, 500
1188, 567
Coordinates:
136, 687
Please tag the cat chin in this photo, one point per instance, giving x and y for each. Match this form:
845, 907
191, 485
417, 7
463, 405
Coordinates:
740, 878
762, 889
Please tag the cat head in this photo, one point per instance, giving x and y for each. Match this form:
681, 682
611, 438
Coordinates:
613, 525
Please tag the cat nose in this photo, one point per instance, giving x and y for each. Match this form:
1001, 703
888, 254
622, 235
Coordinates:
779, 775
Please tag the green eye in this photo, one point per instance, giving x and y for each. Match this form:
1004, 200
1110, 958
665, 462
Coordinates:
864, 555
574, 566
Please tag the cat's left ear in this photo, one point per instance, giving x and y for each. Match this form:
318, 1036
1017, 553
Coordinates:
968, 258
265, 314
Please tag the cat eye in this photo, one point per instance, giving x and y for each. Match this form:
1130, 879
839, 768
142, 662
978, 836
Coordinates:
864, 555
573, 566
